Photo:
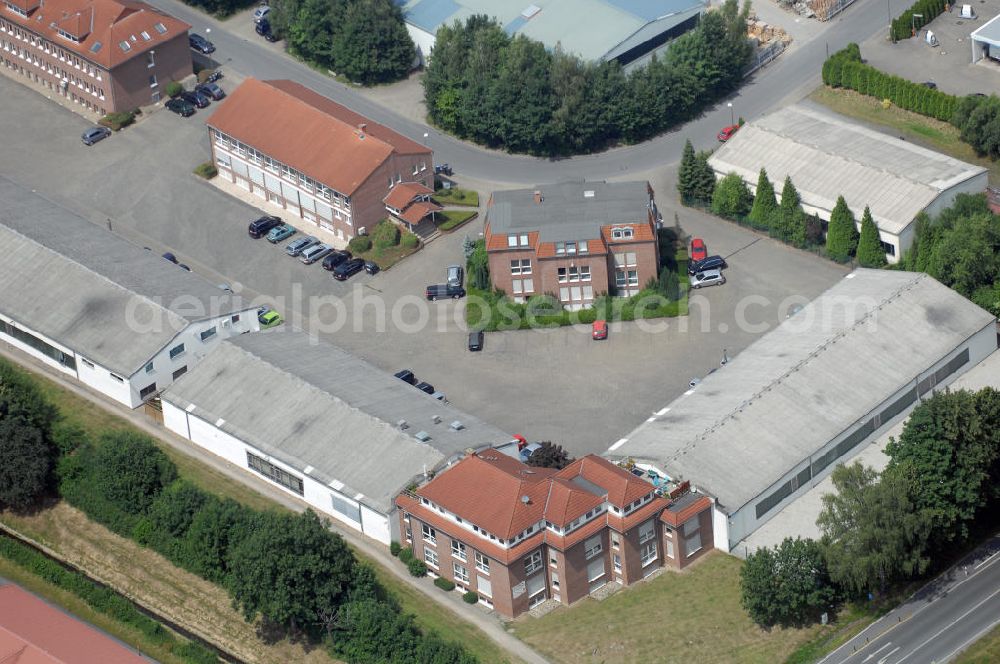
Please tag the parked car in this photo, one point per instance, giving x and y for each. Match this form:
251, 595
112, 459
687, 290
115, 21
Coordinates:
438, 291
261, 13
95, 134
406, 376
476, 339
442, 169
296, 247
184, 267
698, 251
195, 98
212, 90
348, 269
170, 257
279, 233
425, 387
263, 29
599, 330
710, 263
200, 44
371, 267
180, 107
335, 258
268, 317
260, 227
707, 278
727, 132
314, 253
455, 275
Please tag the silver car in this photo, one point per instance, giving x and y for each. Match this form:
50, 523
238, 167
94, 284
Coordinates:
315, 253
707, 278
296, 247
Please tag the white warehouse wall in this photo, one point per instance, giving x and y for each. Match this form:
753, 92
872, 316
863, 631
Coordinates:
20, 345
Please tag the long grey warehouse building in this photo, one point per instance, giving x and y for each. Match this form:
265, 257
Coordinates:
780, 416
324, 425
827, 156
99, 309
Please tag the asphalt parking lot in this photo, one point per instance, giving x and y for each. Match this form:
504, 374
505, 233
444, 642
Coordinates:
948, 65
548, 385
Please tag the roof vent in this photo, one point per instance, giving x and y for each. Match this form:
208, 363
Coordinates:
437, 419
361, 130
402, 424
530, 11
589, 193
422, 436
525, 500
457, 425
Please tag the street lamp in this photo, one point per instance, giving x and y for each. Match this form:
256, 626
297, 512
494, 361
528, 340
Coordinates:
913, 23
732, 121
425, 137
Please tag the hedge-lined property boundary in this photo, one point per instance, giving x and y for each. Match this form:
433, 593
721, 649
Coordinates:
908, 23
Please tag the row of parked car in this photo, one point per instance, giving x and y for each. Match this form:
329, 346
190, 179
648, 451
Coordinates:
453, 286
704, 270
407, 376
309, 249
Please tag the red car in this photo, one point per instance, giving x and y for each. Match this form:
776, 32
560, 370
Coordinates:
698, 250
600, 330
727, 133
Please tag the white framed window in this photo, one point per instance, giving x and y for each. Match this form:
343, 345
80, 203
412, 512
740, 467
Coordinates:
562, 274
615, 543
595, 570
516, 286
571, 248
482, 563
560, 248
633, 277
458, 550
176, 351
149, 368
152, 81
670, 549
647, 553
555, 580
533, 562
584, 273
515, 266
208, 334
647, 531
460, 572
621, 233
616, 560
429, 534
692, 544
150, 60
484, 587
511, 240
523, 239
583, 247
529, 285
553, 561
593, 546
431, 557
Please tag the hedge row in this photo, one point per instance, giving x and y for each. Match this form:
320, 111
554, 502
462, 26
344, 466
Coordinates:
104, 600
904, 24
845, 69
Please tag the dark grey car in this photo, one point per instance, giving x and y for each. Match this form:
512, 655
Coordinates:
212, 90
95, 134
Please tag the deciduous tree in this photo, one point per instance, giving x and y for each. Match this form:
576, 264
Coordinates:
27, 454
732, 197
550, 456
788, 585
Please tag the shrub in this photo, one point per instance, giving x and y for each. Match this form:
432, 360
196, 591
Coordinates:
470, 597
406, 555
206, 170
394, 548
444, 584
409, 241
117, 121
417, 567
204, 74
732, 197
360, 244
173, 89
385, 235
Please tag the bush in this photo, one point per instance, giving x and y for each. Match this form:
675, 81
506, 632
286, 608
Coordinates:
417, 567
917, 16
406, 555
206, 170
394, 548
385, 235
203, 75
173, 89
117, 121
409, 241
470, 597
732, 197
444, 584
360, 244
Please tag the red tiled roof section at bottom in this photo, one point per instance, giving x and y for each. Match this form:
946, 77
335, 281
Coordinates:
622, 486
404, 192
640, 233
33, 632
677, 518
499, 242
415, 212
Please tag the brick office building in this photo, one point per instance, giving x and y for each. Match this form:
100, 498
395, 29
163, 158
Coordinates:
313, 157
517, 535
575, 240
106, 55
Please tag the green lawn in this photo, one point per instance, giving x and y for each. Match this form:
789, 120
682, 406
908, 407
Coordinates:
984, 651
919, 129
677, 617
456, 196
94, 420
449, 220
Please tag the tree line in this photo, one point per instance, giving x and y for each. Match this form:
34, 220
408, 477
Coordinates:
511, 93
365, 40
731, 198
221, 8
880, 529
920, 14
289, 571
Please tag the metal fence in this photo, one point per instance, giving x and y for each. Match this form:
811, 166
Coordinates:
764, 55
827, 9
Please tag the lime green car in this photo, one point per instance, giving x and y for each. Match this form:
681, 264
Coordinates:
268, 318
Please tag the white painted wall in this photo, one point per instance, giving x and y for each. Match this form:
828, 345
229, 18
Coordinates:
423, 40
720, 528
37, 354
100, 378
208, 436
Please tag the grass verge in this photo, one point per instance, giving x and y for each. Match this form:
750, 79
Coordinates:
675, 617
919, 129
64, 531
984, 651
456, 196
452, 219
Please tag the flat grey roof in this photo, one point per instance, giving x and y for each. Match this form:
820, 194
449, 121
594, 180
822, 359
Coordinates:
988, 32
828, 156
796, 388
569, 210
312, 405
81, 285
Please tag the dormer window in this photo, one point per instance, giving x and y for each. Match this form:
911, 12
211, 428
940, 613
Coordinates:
17, 10
621, 233
66, 35
125, 46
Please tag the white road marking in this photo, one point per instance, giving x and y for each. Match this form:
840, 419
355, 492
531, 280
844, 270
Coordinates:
872, 656
663, 411
972, 640
618, 444
949, 625
891, 653
988, 560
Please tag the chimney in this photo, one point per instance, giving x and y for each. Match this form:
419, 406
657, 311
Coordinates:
538, 197
361, 130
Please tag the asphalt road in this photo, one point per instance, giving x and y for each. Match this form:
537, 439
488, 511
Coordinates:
789, 78
938, 622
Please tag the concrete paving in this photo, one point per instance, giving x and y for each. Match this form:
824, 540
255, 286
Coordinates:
799, 518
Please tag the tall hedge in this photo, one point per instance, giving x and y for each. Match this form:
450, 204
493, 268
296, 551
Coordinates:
903, 25
840, 232
764, 202
844, 69
870, 252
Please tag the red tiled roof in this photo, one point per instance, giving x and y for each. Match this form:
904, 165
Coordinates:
622, 486
415, 212
34, 632
310, 133
405, 192
108, 22
499, 242
677, 518
567, 501
640, 233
